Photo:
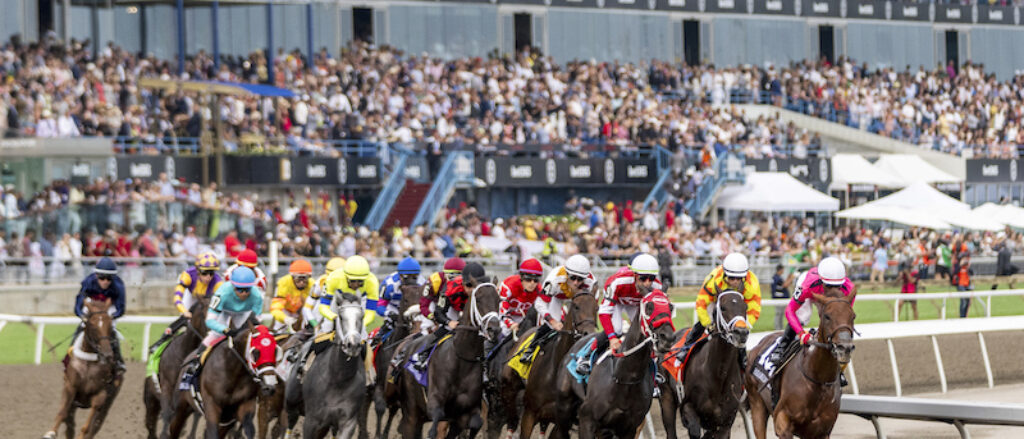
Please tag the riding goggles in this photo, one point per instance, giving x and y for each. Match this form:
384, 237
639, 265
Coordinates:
530, 277
104, 277
300, 277
240, 290
355, 283
576, 278
207, 272
646, 278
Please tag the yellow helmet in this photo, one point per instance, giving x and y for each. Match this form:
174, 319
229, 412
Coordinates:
334, 264
357, 268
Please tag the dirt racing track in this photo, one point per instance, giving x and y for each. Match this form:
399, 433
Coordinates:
32, 393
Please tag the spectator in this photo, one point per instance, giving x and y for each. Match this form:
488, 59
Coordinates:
780, 290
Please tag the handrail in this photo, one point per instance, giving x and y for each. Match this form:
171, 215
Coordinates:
440, 190
389, 194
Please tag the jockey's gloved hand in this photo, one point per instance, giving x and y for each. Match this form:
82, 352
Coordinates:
806, 337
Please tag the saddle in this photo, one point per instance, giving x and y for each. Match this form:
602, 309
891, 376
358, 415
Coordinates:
676, 368
587, 350
523, 369
766, 373
421, 377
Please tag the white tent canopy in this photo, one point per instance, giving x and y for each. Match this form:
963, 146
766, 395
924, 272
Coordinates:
850, 169
775, 192
1012, 216
913, 169
922, 205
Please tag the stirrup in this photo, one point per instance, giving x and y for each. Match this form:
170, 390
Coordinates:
583, 367
656, 393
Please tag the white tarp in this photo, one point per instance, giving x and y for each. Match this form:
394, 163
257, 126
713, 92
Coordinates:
922, 205
899, 215
849, 169
913, 169
1012, 216
775, 192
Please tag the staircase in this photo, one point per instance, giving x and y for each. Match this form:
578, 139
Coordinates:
457, 170
393, 186
728, 170
407, 204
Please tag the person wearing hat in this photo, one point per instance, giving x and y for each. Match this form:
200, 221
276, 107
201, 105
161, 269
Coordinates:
313, 318
354, 278
248, 258
102, 285
437, 283
518, 293
290, 295
408, 273
199, 280
449, 308
734, 274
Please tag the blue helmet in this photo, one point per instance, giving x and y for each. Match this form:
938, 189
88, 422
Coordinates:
243, 277
408, 266
105, 266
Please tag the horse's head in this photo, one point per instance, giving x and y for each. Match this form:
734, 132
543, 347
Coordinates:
835, 331
99, 329
656, 320
730, 318
409, 306
582, 315
263, 354
348, 328
198, 310
482, 310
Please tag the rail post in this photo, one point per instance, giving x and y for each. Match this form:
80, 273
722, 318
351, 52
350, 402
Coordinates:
39, 343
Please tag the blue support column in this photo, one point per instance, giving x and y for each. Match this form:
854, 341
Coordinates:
270, 43
214, 10
309, 35
180, 14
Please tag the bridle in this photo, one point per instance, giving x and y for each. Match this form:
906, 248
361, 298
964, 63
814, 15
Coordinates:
647, 330
835, 348
576, 321
94, 344
478, 319
727, 329
340, 334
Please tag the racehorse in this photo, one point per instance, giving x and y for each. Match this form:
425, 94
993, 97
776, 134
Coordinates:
158, 394
383, 399
90, 378
455, 374
713, 380
272, 407
334, 388
235, 371
499, 411
621, 387
808, 384
540, 398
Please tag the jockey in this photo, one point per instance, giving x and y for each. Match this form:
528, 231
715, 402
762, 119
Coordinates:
199, 280
518, 292
830, 273
733, 274
562, 283
408, 273
248, 258
290, 295
232, 305
103, 284
436, 285
449, 308
313, 318
353, 278
622, 294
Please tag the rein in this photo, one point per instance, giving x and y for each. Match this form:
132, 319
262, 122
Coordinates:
477, 319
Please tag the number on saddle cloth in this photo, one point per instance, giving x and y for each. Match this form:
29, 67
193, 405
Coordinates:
588, 350
421, 375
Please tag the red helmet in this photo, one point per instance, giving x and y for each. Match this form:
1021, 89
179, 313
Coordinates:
531, 266
247, 258
454, 265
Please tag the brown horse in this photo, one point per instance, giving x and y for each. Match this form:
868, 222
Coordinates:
383, 400
540, 396
158, 392
91, 378
272, 406
808, 384
713, 380
455, 373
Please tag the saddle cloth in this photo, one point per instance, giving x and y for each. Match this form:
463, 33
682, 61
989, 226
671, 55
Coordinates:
421, 377
672, 364
587, 350
514, 362
153, 363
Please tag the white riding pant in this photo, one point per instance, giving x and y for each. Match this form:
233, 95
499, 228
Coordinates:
552, 308
616, 312
230, 319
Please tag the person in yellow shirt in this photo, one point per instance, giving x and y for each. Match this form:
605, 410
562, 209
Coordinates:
309, 310
290, 295
734, 274
353, 278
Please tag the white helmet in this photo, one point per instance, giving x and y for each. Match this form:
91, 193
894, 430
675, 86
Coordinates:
578, 265
735, 265
644, 264
832, 271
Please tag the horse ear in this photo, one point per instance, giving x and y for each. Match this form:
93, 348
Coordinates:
853, 294
818, 298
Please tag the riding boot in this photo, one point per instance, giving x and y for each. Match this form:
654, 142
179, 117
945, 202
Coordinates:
190, 368
527, 355
74, 337
419, 361
299, 358
787, 338
115, 344
584, 365
743, 359
168, 333
691, 339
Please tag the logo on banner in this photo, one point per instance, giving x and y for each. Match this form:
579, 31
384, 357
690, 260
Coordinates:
820, 8
490, 171
81, 170
609, 171
579, 171
1013, 170
550, 171
910, 11
773, 166
140, 170
773, 5
316, 171
823, 170
112, 168
342, 171
169, 167
636, 171
286, 169
413, 172
366, 171
953, 13
799, 170
868, 9
990, 170
995, 15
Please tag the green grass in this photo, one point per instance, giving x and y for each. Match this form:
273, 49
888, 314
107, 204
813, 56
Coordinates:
18, 341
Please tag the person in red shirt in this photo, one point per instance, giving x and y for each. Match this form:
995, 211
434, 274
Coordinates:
449, 308
627, 213
518, 292
232, 245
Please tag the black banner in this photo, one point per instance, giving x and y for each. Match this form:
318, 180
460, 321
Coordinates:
416, 168
316, 171
992, 171
534, 172
874, 9
630, 4
775, 7
678, 5
815, 172
81, 173
733, 6
910, 11
360, 171
820, 8
953, 13
149, 168
992, 14
575, 3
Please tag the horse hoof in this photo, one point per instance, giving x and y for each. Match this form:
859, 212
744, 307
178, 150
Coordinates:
50, 435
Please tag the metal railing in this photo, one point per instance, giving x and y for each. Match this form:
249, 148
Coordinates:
387, 197
728, 169
958, 413
441, 190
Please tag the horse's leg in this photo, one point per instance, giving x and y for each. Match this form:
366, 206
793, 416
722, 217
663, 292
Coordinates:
246, 412
587, 426
668, 405
100, 404
212, 416
313, 429
526, 423
69, 423
436, 414
263, 417
347, 428
476, 422
691, 421
64, 413
380, 406
783, 426
364, 413
152, 402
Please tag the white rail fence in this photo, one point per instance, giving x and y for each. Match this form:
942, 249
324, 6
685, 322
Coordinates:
958, 413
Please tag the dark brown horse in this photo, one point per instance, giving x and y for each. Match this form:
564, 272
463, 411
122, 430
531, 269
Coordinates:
540, 397
158, 392
384, 400
91, 378
621, 387
808, 384
455, 374
713, 380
